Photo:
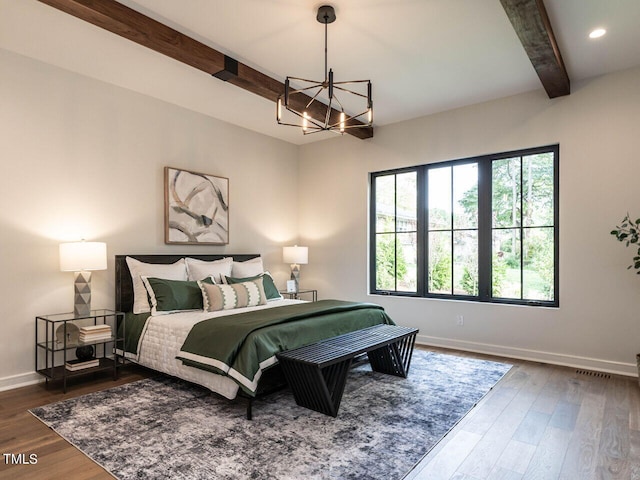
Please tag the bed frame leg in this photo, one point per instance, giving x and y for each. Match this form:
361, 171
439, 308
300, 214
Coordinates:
249, 409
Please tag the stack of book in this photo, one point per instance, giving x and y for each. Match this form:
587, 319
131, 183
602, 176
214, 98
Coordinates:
75, 365
95, 333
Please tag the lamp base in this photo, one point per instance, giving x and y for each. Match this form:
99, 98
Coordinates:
81, 294
295, 275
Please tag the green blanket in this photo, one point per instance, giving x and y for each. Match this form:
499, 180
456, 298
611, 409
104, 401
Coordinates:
242, 346
135, 326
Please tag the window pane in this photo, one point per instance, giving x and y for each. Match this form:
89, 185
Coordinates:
407, 202
465, 196
505, 275
465, 266
440, 262
386, 261
406, 262
506, 188
515, 198
537, 189
385, 203
538, 264
439, 188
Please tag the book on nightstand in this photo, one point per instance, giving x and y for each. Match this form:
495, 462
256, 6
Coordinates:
75, 365
95, 333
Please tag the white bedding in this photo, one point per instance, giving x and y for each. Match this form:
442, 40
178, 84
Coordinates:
165, 334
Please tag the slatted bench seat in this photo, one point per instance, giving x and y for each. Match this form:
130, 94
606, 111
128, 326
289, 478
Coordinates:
317, 373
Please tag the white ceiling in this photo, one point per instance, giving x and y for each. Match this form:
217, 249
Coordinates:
422, 56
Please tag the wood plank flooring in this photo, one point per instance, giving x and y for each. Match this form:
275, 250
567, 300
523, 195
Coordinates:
544, 422
22, 433
541, 422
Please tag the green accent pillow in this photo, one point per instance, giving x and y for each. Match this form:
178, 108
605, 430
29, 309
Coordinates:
270, 289
167, 296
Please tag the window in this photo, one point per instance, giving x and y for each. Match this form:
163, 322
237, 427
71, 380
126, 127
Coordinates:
483, 228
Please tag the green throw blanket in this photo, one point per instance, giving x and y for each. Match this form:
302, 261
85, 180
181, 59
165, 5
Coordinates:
243, 345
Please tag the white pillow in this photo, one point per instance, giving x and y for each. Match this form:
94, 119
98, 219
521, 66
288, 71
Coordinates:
200, 269
250, 268
138, 269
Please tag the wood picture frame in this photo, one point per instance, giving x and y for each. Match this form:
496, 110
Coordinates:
196, 208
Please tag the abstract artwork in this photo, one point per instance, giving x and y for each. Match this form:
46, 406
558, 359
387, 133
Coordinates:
196, 208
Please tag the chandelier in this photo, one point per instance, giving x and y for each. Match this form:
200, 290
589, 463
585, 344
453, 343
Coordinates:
320, 105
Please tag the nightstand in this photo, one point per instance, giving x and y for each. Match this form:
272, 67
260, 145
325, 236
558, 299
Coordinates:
296, 295
59, 334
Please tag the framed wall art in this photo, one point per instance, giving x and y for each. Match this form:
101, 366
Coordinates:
196, 208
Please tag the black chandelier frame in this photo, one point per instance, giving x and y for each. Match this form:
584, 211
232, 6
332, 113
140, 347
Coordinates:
309, 95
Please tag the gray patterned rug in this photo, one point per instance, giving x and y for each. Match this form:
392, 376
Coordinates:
163, 428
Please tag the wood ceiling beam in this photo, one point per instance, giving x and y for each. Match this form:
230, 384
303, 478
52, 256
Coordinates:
137, 27
531, 23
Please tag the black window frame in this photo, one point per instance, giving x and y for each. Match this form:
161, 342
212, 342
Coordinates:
485, 227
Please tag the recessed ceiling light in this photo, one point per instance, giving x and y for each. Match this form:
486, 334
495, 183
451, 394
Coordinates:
597, 33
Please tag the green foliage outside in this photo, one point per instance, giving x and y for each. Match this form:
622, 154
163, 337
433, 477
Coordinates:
469, 282
522, 196
390, 269
440, 266
522, 204
498, 275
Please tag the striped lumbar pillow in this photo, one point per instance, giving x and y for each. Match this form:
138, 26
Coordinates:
226, 297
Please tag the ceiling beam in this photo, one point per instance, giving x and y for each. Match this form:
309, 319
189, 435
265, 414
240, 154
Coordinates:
139, 28
531, 23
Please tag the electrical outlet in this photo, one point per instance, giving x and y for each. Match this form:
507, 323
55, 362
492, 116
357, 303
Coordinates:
460, 320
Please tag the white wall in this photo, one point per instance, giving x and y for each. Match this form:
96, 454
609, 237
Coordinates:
81, 158
84, 159
598, 322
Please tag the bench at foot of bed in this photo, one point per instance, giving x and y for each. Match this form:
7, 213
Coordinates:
317, 373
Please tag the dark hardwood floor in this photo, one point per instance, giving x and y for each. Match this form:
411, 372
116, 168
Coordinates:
22, 433
540, 422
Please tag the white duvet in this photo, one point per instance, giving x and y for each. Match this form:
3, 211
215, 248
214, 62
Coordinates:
164, 335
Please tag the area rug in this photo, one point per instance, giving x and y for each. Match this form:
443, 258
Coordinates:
161, 427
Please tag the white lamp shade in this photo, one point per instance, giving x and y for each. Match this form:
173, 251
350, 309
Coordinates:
295, 254
79, 256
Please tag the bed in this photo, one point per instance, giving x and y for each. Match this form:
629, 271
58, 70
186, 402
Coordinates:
169, 342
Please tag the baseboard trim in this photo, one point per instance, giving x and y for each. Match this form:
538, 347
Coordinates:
595, 364
22, 380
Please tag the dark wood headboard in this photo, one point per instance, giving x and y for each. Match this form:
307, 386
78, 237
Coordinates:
124, 284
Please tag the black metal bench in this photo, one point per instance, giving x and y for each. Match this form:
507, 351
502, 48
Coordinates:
317, 373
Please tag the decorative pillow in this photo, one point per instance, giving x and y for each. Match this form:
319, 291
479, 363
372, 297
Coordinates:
168, 296
270, 289
218, 269
238, 295
138, 269
250, 268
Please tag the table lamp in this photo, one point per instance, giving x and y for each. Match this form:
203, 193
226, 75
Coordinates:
82, 258
295, 256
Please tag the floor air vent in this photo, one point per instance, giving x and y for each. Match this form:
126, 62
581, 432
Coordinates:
589, 373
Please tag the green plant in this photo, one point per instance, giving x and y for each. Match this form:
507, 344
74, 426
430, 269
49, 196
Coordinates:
629, 232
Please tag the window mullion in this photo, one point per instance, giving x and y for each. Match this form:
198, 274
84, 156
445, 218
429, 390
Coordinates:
485, 230
521, 229
395, 233
451, 225
422, 231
